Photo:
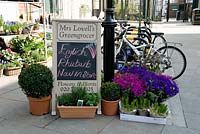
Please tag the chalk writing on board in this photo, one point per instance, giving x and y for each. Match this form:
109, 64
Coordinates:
76, 61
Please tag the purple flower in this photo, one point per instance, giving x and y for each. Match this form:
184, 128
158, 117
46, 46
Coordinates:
131, 81
141, 80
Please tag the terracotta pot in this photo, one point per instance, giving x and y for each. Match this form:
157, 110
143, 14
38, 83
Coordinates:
77, 111
39, 106
109, 108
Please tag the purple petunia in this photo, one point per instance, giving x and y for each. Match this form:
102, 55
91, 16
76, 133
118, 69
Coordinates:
132, 82
140, 80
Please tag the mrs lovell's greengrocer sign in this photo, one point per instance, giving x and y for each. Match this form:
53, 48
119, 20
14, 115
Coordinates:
76, 56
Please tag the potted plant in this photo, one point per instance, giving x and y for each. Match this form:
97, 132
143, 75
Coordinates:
110, 93
13, 68
143, 105
37, 83
78, 104
36, 26
127, 107
148, 89
160, 111
28, 61
13, 64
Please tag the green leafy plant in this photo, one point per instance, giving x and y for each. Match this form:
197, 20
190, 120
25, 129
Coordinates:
13, 64
65, 100
36, 81
7, 28
143, 103
37, 56
2, 66
29, 60
1, 21
9, 55
110, 91
78, 93
27, 47
36, 26
91, 99
126, 106
159, 110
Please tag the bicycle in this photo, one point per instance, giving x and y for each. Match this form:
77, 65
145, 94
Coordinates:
143, 32
145, 54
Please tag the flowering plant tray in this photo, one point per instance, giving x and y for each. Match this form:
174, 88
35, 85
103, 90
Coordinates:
144, 119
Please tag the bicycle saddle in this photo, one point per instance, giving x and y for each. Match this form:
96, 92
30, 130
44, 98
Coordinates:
157, 33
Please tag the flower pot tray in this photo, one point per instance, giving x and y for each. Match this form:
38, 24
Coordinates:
77, 111
144, 119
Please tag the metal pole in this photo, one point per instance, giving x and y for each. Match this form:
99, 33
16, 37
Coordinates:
44, 26
140, 16
108, 58
168, 4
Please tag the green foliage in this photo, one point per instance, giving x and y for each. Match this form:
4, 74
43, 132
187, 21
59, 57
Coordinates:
159, 110
110, 91
123, 9
1, 20
6, 28
9, 55
65, 100
29, 60
2, 66
21, 44
91, 99
125, 106
36, 81
37, 56
13, 63
78, 93
49, 53
26, 46
14, 59
143, 103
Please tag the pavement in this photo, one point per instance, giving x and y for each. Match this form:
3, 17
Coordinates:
184, 108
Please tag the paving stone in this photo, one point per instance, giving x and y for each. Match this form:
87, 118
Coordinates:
193, 121
81, 126
15, 129
128, 127
9, 106
190, 103
15, 95
176, 116
178, 130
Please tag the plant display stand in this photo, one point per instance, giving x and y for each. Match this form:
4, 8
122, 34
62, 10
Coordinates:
144, 119
1, 72
77, 111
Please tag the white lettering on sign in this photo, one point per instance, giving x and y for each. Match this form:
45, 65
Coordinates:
65, 86
74, 32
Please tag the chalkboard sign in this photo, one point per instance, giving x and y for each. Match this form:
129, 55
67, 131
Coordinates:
76, 61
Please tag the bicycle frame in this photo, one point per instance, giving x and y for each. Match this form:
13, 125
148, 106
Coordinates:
134, 48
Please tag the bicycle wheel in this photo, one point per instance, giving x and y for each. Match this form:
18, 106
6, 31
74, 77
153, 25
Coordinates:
159, 41
172, 61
